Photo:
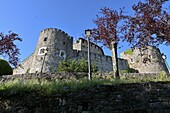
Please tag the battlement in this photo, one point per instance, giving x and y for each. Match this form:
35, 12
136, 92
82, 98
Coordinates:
56, 31
82, 45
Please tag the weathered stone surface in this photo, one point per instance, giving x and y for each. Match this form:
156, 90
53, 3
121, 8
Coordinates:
145, 60
60, 46
122, 98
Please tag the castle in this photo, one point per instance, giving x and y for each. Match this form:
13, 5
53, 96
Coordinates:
54, 45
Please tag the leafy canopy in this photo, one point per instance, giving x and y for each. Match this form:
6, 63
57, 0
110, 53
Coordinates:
8, 48
107, 29
150, 24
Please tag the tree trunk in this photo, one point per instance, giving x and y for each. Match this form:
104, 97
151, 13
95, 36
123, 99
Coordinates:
115, 60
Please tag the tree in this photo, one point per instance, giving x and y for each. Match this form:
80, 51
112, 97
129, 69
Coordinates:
80, 65
9, 48
107, 32
150, 24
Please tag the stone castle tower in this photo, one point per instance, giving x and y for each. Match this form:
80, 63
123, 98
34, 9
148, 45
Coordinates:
145, 60
59, 47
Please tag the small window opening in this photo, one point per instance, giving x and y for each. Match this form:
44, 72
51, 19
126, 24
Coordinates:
62, 54
42, 51
77, 41
132, 60
45, 39
64, 43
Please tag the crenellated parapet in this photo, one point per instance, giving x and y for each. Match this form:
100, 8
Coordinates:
81, 45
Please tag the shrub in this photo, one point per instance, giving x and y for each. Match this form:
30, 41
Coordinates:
129, 52
5, 68
75, 66
129, 70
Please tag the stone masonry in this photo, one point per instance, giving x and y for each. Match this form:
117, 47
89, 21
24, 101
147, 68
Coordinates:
59, 46
145, 60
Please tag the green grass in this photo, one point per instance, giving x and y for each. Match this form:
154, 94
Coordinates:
45, 87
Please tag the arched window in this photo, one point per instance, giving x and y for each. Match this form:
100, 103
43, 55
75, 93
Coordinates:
62, 54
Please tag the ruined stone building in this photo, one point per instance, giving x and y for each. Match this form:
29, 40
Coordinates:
54, 45
145, 60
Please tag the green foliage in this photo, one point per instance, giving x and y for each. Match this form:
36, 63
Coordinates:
129, 70
129, 52
123, 71
45, 87
75, 66
5, 68
162, 75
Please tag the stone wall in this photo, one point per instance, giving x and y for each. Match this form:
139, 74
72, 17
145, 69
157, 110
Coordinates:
123, 98
104, 63
78, 75
145, 60
24, 67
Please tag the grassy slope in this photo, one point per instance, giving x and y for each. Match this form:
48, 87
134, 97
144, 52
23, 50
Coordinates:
45, 87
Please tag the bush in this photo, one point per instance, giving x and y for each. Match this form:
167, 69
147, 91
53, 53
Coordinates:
129, 70
5, 68
129, 52
75, 66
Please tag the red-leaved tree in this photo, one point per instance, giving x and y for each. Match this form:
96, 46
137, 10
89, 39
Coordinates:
8, 48
107, 32
150, 24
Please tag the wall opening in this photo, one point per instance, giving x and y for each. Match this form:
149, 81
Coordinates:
45, 39
42, 51
62, 54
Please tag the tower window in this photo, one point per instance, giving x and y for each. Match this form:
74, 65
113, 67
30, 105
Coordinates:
77, 41
62, 54
45, 39
64, 43
132, 60
42, 51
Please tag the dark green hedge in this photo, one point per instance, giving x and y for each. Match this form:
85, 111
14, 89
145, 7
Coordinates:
5, 68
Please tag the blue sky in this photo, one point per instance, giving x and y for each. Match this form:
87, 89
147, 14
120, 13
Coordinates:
29, 17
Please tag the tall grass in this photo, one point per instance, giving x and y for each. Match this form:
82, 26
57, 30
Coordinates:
45, 87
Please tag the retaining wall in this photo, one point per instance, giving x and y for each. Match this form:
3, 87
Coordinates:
123, 98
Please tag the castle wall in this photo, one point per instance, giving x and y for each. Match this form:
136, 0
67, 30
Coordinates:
123, 64
24, 67
59, 46
145, 60
104, 63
